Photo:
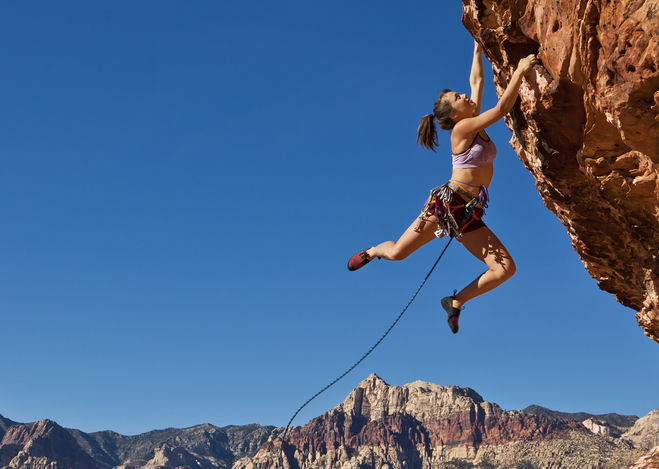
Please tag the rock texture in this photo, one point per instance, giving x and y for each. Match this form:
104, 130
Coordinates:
5, 423
207, 445
645, 432
599, 427
587, 127
47, 445
42, 445
423, 425
172, 457
419, 425
649, 461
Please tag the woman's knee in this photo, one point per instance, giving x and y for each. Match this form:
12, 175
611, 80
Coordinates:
507, 270
503, 270
397, 254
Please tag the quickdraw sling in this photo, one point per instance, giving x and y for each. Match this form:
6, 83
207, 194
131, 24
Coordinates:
441, 203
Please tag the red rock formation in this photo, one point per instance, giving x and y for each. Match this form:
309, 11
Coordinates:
649, 461
42, 445
587, 127
424, 425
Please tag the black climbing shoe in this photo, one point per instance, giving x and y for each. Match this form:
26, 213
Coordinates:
453, 313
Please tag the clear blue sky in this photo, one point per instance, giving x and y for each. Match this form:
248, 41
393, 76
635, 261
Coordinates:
182, 184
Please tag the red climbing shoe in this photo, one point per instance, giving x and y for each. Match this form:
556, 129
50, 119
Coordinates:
453, 313
359, 260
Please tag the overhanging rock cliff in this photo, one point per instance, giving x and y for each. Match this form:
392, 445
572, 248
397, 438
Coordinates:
587, 127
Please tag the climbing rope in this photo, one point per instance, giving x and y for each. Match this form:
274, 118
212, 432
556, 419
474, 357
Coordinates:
281, 448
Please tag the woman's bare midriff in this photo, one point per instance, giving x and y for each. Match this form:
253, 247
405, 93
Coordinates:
475, 177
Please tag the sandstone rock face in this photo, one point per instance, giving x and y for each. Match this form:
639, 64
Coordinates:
423, 425
587, 127
5, 423
42, 445
649, 461
645, 432
598, 427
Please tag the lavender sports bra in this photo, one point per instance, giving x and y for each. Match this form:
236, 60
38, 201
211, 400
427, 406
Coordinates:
481, 152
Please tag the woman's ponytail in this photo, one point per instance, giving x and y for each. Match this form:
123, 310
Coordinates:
427, 132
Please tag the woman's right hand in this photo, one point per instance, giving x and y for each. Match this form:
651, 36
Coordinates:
526, 64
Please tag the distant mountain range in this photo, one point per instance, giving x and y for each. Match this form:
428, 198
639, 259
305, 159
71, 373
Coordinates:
378, 426
608, 424
624, 421
219, 446
203, 446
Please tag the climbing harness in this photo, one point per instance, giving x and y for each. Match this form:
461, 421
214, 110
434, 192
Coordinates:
441, 204
281, 448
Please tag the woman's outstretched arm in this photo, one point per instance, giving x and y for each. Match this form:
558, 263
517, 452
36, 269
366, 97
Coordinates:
477, 78
475, 124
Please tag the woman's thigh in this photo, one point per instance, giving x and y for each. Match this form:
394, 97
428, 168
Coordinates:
485, 245
411, 240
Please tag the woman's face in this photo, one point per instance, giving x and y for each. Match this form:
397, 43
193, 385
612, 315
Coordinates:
462, 105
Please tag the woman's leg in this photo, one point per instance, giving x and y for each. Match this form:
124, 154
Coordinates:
409, 242
484, 245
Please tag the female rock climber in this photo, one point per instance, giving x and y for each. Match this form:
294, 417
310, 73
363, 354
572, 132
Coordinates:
458, 206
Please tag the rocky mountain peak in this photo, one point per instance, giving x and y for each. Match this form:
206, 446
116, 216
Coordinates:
427, 425
374, 400
173, 457
42, 445
5, 423
206, 444
645, 432
22, 434
419, 424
